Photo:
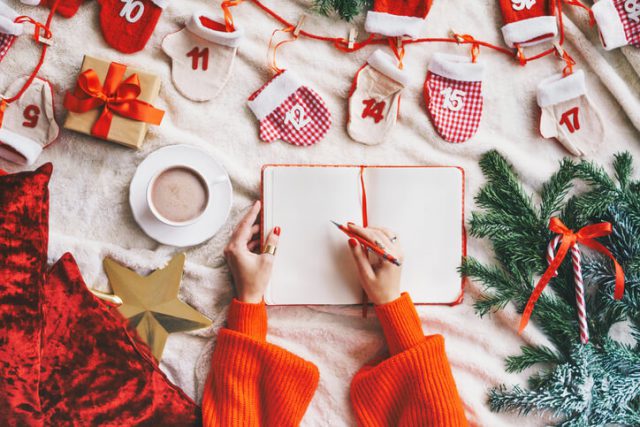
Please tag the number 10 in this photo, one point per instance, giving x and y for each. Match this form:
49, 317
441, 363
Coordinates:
132, 10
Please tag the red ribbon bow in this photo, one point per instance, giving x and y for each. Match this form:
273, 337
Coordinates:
115, 96
585, 236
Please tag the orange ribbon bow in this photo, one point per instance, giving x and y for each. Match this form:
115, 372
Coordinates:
585, 236
115, 96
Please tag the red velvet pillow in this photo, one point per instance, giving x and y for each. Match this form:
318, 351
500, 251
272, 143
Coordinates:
66, 357
24, 212
95, 372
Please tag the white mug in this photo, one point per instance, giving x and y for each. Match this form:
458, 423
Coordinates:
207, 185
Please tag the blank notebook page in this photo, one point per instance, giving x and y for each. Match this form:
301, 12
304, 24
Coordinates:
424, 207
314, 264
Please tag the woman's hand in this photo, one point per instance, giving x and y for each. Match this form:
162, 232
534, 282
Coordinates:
379, 278
250, 268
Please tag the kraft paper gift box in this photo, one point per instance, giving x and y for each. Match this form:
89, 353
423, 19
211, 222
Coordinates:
113, 102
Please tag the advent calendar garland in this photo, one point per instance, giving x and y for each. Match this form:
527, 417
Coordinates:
454, 97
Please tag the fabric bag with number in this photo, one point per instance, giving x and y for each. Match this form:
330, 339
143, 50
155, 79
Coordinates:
202, 56
453, 95
9, 29
375, 99
528, 22
618, 22
28, 124
290, 111
567, 113
127, 24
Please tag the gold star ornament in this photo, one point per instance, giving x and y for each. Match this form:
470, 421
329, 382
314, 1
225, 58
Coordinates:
151, 302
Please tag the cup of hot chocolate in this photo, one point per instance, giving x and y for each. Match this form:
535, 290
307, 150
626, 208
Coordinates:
179, 195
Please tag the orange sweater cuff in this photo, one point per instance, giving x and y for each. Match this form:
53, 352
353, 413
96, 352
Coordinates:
400, 324
248, 319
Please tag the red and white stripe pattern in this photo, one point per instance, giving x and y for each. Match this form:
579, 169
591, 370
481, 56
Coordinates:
581, 304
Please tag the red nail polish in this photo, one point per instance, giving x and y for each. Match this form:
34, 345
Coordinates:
276, 231
353, 243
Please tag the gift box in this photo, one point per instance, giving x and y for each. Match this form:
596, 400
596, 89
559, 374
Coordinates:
113, 102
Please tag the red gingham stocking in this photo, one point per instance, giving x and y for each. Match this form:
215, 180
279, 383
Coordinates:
453, 94
9, 29
618, 22
290, 111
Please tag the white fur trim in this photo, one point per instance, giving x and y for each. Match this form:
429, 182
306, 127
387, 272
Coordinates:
161, 3
30, 2
387, 66
522, 32
29, 149
279, 89
456, 67
609, 25
390, 25
7, 18
231, 39
556, 89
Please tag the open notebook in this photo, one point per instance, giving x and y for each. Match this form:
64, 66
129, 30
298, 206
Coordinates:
423, 205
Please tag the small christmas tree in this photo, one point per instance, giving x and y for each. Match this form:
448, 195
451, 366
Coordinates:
581, 385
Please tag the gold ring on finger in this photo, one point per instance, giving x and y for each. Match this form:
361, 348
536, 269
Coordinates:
269, 249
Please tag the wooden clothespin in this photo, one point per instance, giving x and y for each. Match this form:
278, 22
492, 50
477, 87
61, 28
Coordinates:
43, 35
353, 34
558, 47
296, 30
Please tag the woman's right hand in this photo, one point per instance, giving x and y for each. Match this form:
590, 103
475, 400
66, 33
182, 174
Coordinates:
379, 278
250, 268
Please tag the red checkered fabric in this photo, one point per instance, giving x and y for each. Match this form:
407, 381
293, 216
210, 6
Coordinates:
6, 40
455, 106
304, 108
631, 27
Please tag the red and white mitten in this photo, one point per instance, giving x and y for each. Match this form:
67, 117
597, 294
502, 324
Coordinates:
127, 24
618, 22
397, 18
66, 8
375, 99
9, 29
28, 124
453, 94
289, 110
202, 56
528, 22
567, 113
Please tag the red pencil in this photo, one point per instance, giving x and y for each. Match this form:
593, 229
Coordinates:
369, 245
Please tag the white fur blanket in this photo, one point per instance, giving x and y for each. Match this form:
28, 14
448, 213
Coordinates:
90, 214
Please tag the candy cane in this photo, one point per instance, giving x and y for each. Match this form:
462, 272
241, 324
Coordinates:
581, 304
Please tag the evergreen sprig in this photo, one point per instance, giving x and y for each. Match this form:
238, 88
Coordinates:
345, 9
581, 385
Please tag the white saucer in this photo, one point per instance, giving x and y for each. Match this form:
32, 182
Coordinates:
212, 218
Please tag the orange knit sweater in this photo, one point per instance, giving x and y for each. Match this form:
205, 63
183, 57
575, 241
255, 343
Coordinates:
254, 383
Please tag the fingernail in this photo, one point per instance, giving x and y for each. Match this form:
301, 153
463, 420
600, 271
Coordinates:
353, 243
276, 231
350, 223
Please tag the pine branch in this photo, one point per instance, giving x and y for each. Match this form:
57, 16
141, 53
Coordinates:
584, 385
532, 355
555, 190
345, 9
623, 166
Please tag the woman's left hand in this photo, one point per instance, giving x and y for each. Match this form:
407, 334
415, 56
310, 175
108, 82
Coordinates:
250, 268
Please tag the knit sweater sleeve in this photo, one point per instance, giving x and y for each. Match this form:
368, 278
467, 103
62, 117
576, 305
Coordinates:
415, 386
252, 382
